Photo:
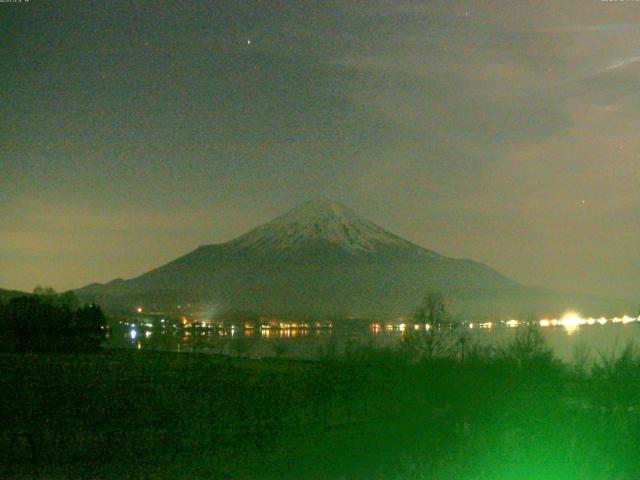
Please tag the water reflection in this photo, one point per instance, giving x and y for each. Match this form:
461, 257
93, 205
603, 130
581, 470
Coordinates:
304, 340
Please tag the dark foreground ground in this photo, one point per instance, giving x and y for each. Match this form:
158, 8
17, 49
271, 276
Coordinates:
153, 415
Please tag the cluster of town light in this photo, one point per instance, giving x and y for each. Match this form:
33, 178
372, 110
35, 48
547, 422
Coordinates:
571, 321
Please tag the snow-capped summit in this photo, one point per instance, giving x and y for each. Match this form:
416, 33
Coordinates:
320, 221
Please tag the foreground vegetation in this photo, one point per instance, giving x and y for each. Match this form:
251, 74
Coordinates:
513, 413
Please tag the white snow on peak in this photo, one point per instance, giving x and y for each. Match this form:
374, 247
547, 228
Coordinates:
323, 221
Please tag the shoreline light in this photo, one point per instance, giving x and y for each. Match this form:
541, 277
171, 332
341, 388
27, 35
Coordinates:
571, 321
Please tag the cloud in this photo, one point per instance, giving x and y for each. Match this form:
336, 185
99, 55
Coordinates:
509, 122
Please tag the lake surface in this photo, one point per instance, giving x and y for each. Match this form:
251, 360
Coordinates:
565, 336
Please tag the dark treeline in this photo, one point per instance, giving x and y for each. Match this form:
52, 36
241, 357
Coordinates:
50, 322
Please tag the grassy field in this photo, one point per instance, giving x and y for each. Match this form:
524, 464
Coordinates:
122, 414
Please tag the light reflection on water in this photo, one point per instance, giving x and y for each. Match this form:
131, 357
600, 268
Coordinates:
564, 336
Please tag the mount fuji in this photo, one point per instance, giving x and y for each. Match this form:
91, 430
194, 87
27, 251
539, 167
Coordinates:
321, 258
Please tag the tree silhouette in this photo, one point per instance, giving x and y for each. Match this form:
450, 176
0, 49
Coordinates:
432, 310
431, 339
46, 321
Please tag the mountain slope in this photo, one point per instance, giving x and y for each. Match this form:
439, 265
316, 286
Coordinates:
320, 258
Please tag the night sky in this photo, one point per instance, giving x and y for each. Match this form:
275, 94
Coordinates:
505, 132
